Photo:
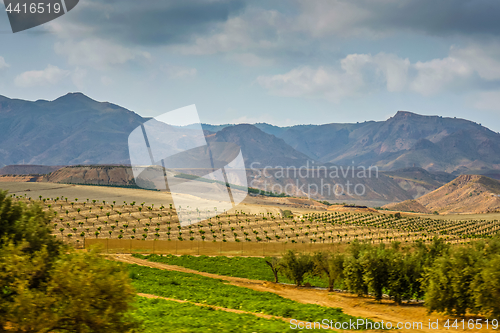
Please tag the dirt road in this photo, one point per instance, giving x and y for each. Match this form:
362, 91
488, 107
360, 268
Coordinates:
350, 304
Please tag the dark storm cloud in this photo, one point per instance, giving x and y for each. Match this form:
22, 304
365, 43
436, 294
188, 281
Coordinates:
157, 22
153, 22
446, 16
435, 17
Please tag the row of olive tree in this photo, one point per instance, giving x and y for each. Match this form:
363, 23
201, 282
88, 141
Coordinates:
452, 279
47, 287
466, 279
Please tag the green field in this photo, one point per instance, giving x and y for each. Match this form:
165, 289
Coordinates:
200, 289
253, 268
160, 316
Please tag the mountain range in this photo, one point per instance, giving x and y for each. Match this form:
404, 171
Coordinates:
407, 139
75, 129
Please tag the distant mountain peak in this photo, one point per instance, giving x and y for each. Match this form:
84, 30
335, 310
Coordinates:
76, 96
406, 114
73, 129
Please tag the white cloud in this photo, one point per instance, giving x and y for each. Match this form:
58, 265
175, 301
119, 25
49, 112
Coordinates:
364, 73
358, 73
438, 74
308, 82
380, 70
484, 59
3, 64
457, 71
97, 53
49, 76
179, 72
394, 70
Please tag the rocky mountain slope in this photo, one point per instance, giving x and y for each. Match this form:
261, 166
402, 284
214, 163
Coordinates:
75, 129
72, 129
405, 140
465, 194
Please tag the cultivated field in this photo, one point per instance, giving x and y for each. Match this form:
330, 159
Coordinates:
192, 292
81, 212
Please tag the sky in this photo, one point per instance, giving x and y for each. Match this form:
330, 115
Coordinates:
281, 62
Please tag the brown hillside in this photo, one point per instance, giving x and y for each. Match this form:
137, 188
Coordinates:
408, 206
97, 175
465, 194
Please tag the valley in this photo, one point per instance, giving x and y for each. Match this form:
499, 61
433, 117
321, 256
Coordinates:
375, 202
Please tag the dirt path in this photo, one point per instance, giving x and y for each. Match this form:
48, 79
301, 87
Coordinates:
350, 304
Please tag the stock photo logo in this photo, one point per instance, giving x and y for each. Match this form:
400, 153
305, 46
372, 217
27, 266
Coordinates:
171, 152
25, 15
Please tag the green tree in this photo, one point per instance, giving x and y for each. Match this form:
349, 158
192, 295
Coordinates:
353, 269
375, 262
353, 273
404, 276
449, 281
330, 265
83, 293
437, 249
295, 266
486, 287
46, 287
19, 223
275, 265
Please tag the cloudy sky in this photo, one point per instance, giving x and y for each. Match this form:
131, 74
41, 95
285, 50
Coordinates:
281, 62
